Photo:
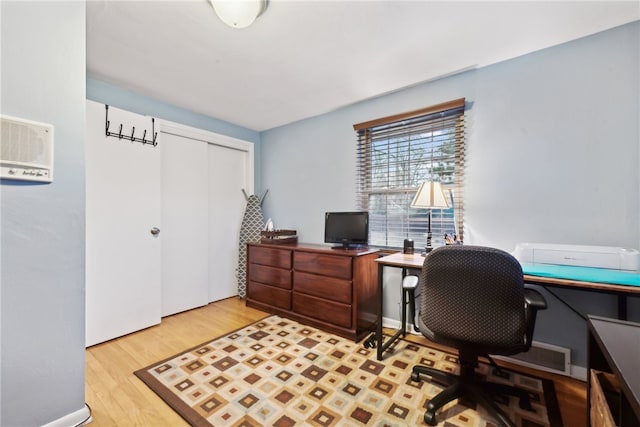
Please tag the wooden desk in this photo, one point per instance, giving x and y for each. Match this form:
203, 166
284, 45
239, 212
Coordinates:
613, 347
621, 291
402, 260
398, 260
415, 261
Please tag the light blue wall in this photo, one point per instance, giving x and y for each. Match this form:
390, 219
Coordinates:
553, 156
42, 225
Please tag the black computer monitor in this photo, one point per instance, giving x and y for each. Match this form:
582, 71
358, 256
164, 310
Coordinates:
349, 229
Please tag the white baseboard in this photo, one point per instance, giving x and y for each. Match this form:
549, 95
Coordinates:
80, 417
579, 373
395, 324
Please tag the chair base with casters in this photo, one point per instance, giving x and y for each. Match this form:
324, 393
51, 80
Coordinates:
467, 386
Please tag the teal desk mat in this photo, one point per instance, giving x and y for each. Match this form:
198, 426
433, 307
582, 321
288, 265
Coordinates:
584, 274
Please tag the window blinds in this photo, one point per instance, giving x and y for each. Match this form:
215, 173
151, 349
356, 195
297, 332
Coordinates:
394, 156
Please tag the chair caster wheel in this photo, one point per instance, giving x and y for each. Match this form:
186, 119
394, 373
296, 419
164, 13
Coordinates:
430, 418
370, 342
415, 377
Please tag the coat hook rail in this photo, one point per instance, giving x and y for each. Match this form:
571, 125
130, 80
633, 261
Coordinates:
131, 137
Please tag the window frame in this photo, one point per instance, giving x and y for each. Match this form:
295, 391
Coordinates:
448, 115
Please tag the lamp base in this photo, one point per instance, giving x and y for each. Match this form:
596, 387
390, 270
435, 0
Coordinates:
426, 251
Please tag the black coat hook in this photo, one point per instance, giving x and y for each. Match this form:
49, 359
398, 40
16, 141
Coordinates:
131, 138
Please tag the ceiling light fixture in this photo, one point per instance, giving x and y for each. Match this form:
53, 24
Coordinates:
239, 13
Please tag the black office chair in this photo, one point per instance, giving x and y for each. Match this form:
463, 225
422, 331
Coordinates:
473, 299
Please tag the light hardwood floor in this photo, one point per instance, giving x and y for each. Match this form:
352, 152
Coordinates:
119, 398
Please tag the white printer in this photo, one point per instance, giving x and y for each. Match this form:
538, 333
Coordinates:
578, 255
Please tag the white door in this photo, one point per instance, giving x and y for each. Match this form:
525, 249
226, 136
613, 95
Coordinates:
122, 208
185, 221
230, 171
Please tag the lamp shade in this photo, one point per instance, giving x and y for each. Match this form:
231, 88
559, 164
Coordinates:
238, 13
430, 195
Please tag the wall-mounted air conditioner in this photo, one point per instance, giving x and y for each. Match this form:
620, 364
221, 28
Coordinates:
26, 150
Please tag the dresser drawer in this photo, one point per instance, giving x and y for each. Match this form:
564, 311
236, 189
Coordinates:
326, 265
269, 295
338, 290
604, 389
270, 276
280, 258
321, 309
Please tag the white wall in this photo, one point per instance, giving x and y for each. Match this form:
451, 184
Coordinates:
42, 230
553, 156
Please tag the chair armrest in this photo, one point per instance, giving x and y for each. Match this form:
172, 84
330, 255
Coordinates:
534, 299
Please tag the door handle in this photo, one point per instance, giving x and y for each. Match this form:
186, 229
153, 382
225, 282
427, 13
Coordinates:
155, 231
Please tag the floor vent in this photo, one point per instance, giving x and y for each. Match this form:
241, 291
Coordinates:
547, 357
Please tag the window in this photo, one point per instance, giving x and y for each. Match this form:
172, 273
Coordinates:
395, 155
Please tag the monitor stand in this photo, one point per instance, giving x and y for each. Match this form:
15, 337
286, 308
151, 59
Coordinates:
350, 246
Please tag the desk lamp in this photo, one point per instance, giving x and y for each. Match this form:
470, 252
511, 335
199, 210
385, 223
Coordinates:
430, 195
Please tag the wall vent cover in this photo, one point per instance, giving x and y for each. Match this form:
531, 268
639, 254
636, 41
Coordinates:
26, 150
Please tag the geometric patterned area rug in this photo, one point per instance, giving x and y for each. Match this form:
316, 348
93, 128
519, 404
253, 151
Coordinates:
277, 372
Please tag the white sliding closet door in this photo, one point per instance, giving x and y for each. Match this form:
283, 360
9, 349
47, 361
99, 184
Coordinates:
230, 171
203, 174
122, 206
185, 221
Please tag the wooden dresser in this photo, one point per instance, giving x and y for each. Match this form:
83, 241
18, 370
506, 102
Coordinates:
335, 290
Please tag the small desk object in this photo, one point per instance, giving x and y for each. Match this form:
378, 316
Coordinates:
398, 260
613, 388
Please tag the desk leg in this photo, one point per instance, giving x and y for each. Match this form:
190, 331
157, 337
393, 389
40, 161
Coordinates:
403, 308
622, 307
381, 346
379, 337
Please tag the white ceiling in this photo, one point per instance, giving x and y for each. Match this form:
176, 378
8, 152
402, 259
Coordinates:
305, 58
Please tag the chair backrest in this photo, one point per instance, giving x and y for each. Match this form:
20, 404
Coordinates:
473, 299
